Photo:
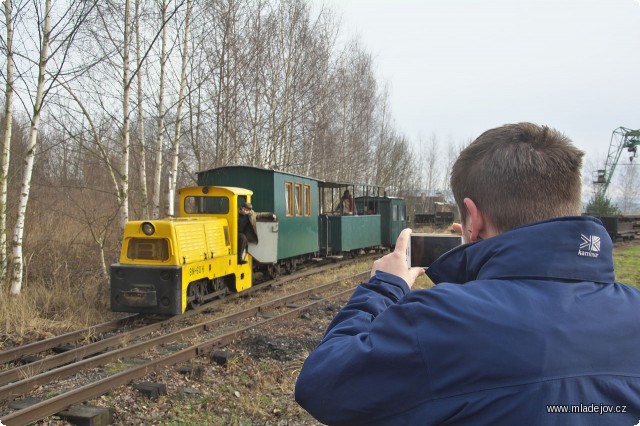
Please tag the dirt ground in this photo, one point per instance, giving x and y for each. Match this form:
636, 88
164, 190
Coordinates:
254, 387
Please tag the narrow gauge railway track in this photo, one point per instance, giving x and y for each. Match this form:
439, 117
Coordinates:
208, 335
24, 361
19, 352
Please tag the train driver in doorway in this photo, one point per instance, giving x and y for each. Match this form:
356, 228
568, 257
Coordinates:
346, 203
247, 229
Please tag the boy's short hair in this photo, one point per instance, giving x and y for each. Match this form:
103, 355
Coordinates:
518, 174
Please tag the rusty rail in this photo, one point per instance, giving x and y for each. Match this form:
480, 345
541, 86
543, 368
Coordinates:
87, 392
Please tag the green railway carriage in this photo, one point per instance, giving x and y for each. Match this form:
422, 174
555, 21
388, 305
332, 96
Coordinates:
349, 234
293, 198
346, 226
392, 212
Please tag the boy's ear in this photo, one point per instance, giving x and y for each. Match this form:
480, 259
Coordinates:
475, 224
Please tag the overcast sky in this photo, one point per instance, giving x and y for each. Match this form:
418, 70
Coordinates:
458, 67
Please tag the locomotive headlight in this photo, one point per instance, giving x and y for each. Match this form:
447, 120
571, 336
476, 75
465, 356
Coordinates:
148, 228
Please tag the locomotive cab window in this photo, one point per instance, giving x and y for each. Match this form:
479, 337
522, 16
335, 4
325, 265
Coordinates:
206, 205
148, 249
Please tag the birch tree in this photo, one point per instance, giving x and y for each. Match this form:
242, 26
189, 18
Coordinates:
61, 34
6, 142
175, 151
431, 160
629, 185
123, 196
141, 141
157, 182
17, 265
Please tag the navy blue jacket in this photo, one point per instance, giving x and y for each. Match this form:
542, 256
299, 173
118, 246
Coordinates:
539, 325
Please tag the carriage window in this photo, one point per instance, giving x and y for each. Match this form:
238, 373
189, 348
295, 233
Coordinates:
402, 214
288, 198
307, 200
206, 205
298, 199
395, 212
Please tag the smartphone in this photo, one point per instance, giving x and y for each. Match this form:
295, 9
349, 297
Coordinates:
425, 248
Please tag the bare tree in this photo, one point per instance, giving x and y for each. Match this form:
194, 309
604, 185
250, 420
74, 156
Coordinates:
252, 82
395, 164
6, 142
385, 135
141, 140
254, 86
123, 196
225, 78
318, 96
175, 151
453, 151
52, 43
629, 182
45, 26
431, 161
157, 180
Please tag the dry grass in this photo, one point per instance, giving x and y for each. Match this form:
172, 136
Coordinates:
43, 310
63, 286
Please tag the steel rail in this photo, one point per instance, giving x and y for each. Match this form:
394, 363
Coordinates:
43, 345
75, 354
25, 385
100, 387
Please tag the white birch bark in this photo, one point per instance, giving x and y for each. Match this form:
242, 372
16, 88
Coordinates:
17, 264
173, 174
123, 198
158, 163
141, 141
6, 145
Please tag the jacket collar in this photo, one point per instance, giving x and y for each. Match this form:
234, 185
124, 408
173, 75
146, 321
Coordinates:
569, 248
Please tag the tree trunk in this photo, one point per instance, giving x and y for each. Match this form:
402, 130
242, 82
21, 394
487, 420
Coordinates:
16, 276
6, 145
141, 142
126, 143
158, 174
173, 175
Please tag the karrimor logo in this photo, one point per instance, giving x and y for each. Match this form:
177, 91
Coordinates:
590, 246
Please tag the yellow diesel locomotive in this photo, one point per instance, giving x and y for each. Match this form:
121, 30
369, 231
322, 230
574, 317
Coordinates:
171, 264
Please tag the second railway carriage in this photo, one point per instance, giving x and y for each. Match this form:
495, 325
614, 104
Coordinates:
342, 230
393, 215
